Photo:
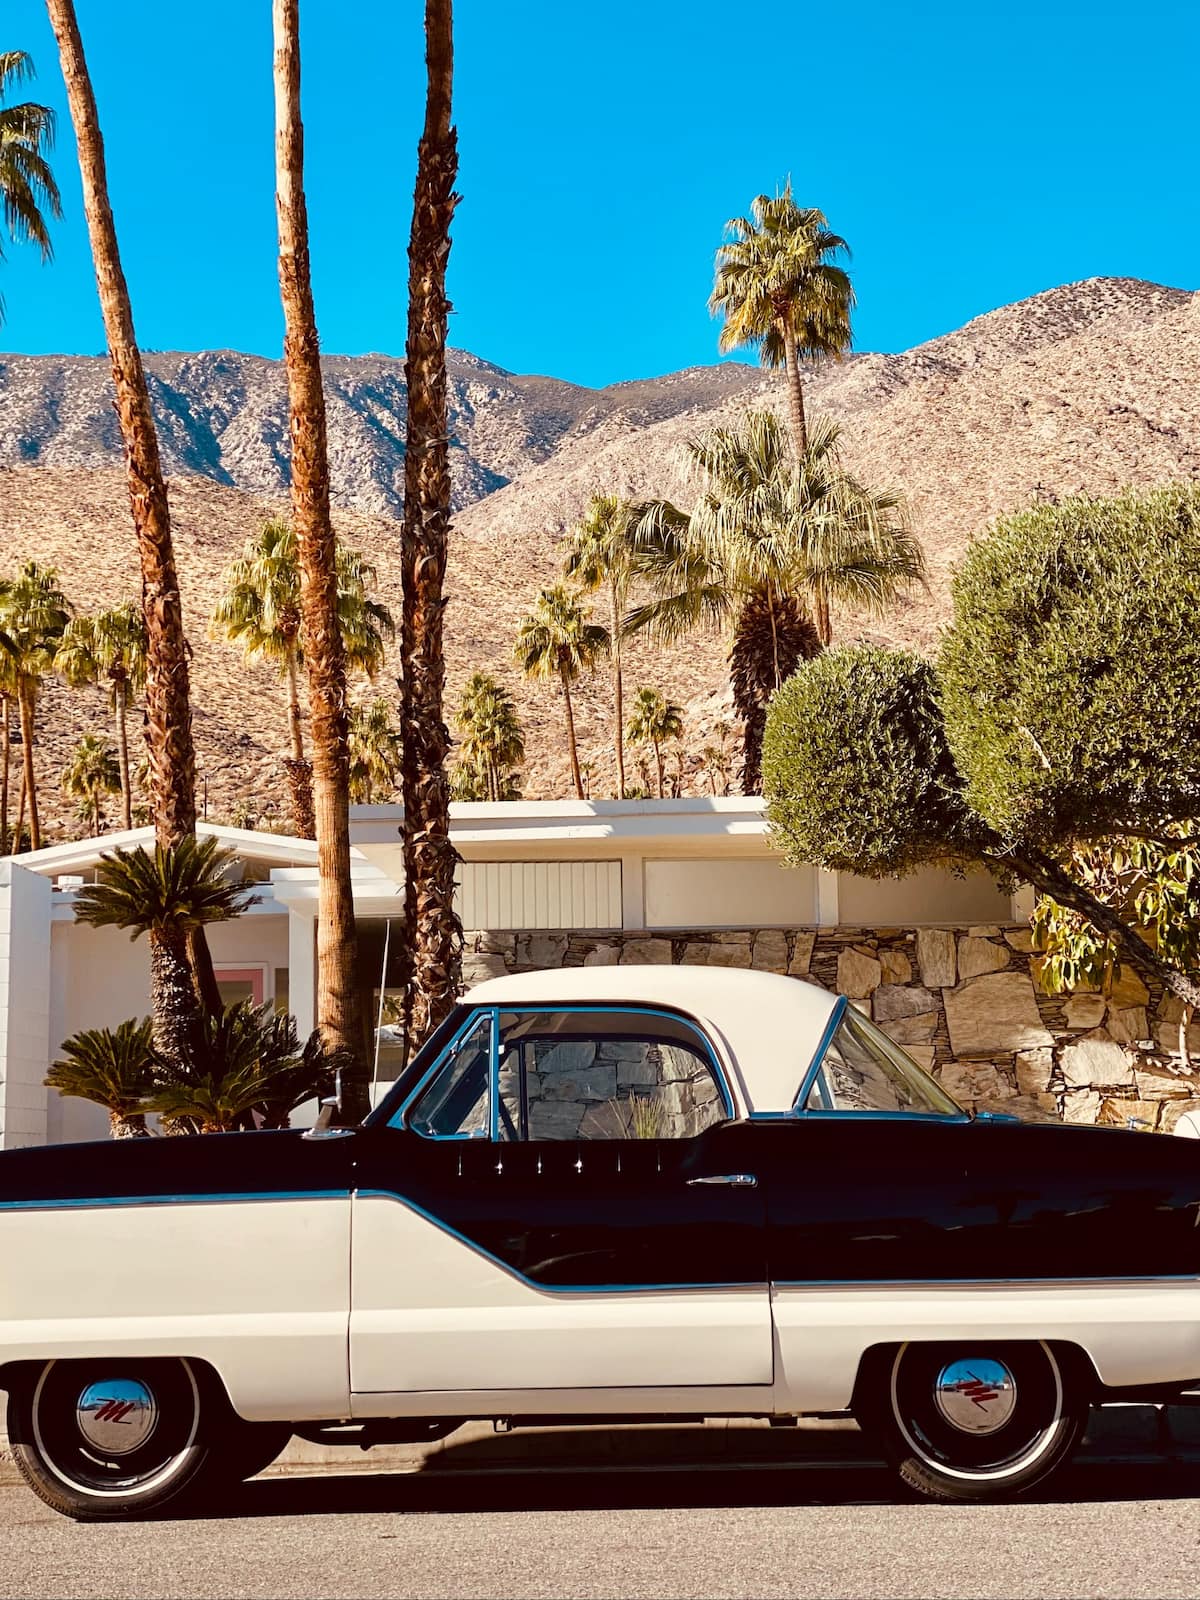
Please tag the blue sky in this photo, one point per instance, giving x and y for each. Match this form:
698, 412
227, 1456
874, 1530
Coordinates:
972, 155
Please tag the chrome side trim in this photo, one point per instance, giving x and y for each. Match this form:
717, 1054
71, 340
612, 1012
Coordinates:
103, 1202
552, 1288
734, 1180
1001, 1285
831, 1027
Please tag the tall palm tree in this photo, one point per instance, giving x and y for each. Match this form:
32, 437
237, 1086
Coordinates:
556, 640
34, 612
374, 752
92, 773
655, 720
109, 646
112, 1067
601, 554
767, 540
492, 743
338, 1014
779, 288
168, 708
434, 933
260, 610
168, 895
8, 695
28, 192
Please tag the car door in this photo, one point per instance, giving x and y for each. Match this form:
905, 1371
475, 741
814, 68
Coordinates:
563, 1203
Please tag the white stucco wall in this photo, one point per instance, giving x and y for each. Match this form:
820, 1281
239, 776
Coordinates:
931, 897
728, 894
24, 1004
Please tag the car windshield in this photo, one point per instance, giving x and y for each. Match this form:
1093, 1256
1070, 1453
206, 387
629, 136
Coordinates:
862, 1070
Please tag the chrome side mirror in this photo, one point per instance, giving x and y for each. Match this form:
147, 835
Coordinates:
323, 1127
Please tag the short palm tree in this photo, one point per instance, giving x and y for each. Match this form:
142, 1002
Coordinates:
28, 192
241, 1068
654, 720
109, 647
374, 752
556, 640
600, 555
491, 742
260, 610
34, 612
766, 541
169, 894
113, 1068
779, 289
92, 773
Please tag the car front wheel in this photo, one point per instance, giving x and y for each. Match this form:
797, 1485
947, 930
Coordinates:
975, 1421
106, 1439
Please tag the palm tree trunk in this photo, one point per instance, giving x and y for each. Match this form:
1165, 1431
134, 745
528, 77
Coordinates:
658, 766
127, 1125
774, 637
571, 745
121, 694
25, 705
168, 711
5, 769
324, 649
20, 823
434, 934
298, 770
172, 997
822, 615
618, 691
796, 418
295, 726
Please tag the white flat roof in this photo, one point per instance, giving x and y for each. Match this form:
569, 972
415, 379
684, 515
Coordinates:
767, 1027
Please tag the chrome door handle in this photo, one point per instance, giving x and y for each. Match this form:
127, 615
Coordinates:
735, 1180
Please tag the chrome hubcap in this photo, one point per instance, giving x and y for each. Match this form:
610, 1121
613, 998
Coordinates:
975, 1396
117, 1416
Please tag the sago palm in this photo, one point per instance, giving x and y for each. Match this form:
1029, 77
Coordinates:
600, 555
113, 1068
260, 610
28, 192
33, 615
779, 288
556, 640
374, 752
767, 540
491, 742
169, 894
109, 647
92, 774
654, 720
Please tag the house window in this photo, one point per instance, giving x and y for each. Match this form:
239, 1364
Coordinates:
235, 984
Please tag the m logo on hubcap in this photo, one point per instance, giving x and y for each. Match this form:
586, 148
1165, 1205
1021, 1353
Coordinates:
117, 1416
975, 1396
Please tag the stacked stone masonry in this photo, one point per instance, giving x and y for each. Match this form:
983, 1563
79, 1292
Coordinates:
964, 1002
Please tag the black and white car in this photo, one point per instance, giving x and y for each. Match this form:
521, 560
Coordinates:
611, 1191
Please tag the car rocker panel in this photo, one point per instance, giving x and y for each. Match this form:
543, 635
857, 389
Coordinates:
600, 1192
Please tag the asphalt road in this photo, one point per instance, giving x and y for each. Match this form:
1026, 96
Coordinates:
812, 1530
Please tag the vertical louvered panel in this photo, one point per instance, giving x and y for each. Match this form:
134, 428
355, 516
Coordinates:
572, 895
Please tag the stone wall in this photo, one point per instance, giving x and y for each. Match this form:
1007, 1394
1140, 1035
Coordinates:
962, 1001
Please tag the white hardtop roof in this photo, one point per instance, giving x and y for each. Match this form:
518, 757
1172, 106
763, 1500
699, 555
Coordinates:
767, 1028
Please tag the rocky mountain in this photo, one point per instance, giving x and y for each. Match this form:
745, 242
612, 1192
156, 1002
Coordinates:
1081, 389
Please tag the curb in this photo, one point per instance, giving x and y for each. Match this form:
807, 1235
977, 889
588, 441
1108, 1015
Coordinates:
1134, 1433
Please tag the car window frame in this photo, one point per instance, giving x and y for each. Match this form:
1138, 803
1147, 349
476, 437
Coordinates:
801, 1109
400, 1118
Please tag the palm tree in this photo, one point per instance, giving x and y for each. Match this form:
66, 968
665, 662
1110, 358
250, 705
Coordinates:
718, 759
168, 709
654, 720
27, 187
766, 540
338, 1014
434, 933
243, 1068
601, 555
8, 695
557, 641
34, 612
169, 895
260, 610
109, 646
374, 752
113, 1068
92, 772
778, 288
492, 743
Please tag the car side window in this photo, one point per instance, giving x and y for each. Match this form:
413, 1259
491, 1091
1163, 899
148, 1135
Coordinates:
456, 1102
596, 1074
862, 1070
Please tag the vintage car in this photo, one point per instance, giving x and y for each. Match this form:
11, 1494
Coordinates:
609, 1192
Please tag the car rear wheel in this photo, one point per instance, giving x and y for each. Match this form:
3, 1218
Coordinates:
106, 1439
982, 1420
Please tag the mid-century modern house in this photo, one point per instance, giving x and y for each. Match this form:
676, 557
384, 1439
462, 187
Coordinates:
542, 883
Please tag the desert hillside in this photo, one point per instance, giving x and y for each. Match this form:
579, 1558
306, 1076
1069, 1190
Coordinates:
1083, 388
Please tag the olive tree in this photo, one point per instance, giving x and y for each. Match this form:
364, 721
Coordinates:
1063, 709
